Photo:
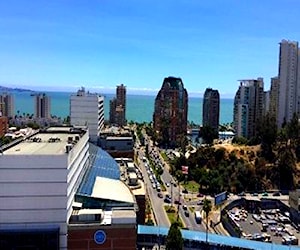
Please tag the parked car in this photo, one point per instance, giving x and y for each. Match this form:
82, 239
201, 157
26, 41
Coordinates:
160, 195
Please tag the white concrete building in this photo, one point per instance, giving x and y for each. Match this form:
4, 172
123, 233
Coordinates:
87, 109
38, 180
289, 81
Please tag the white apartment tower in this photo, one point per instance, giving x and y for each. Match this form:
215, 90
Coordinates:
87, 109
248, 107
7, 106
42, 106
289, 81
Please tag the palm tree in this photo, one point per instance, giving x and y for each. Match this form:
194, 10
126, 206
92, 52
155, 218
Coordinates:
206, 209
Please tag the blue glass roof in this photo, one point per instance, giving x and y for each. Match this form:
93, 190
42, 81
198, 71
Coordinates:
215, 238
100, 164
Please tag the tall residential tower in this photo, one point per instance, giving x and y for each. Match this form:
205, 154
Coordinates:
7, 105
289, 81
87, 109
211, 108
42, 106
117, 111
170, 111
248, 107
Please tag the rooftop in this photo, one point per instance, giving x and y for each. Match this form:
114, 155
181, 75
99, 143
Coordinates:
118, 191
101, 164
51, 142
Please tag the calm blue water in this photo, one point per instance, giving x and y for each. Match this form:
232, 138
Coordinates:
139, 107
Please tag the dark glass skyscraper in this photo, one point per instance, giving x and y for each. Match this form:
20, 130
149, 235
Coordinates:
211, 109
170, 111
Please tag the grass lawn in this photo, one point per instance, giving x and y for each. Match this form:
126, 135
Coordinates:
172, 215
191, 186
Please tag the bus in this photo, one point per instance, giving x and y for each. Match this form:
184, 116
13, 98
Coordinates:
198, 217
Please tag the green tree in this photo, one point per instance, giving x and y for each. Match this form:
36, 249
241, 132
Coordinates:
174, 239
267, 133
206, 208
208, 134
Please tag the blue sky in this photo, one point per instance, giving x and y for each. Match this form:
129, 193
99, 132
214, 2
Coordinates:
65, 44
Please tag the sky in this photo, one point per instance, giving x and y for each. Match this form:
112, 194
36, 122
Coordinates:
61, 45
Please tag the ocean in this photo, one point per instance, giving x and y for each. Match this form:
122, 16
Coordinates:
139, 107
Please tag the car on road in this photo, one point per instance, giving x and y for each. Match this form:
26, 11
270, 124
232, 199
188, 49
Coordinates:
167, 184
200, 202
186, 213
160, 195
177, 202
185, 191
276, 194
167, 200
184, 207
200, 195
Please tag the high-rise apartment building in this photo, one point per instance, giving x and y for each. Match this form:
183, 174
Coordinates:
274, 96
248, 107
87, 109
170, 111
7, 105
42, 106
289, 81
117, 111
211, 108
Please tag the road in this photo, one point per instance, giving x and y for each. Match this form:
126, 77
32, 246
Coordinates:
158, 203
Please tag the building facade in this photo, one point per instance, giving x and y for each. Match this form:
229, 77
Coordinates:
87, 109
274, 96
39, 177
211, 109
248, 107
170, 111
42, 106
3, 125
7, 105
289, 81
117, 111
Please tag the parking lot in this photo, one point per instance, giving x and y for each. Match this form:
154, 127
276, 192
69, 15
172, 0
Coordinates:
269, 226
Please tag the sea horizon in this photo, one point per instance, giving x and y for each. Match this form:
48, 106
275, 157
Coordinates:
139, 108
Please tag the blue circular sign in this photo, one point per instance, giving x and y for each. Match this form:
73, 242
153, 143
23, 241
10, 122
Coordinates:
99, 237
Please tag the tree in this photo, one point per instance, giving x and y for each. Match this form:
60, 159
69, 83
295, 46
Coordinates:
174, 239
206, 209
267, 133
208, 134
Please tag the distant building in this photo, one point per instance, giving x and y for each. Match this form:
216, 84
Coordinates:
211, 109
170, 111
87, 109
274, 96
266, 100
42, 106
117, 142
117, 111
7, 105
3, 125
248, 107
289, 81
